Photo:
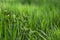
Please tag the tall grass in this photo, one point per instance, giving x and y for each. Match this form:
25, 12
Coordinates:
29, 22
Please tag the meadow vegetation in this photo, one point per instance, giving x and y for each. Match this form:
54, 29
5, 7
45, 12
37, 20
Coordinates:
29, 20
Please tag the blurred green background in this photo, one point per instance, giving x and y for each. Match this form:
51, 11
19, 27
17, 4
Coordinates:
29, 19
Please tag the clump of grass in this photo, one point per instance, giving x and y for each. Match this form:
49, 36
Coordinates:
29, 22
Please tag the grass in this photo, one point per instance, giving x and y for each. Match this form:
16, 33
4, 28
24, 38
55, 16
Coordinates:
29, 22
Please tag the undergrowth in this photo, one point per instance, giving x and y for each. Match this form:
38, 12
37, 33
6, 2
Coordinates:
29, 22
